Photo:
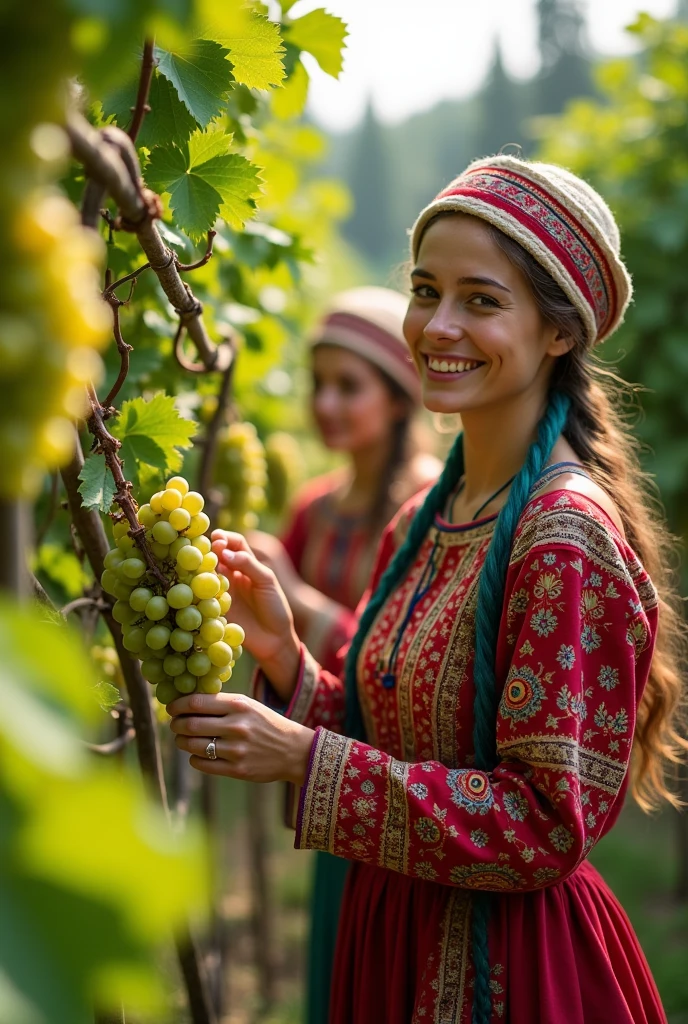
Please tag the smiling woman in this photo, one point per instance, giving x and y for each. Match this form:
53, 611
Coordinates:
509, 660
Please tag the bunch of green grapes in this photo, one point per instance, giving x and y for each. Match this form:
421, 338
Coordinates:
52, 322
240, 476
179, 631
285, 467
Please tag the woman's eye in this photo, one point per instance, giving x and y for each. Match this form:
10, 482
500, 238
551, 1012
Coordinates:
424, 291
486, 301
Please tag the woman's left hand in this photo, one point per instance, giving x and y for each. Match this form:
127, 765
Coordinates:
252, 742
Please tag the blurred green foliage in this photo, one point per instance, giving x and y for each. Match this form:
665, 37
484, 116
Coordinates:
633, 146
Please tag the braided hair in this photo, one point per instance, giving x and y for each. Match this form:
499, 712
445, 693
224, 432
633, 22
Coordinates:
487, 620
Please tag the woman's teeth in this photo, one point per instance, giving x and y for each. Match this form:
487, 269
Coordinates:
444, 366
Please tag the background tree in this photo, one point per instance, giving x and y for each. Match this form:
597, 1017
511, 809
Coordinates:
369, 227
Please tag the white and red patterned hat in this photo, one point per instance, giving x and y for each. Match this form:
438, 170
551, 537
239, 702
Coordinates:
559, 219
369, 321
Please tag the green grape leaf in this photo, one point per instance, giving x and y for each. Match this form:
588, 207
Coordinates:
256, 54
168, 121
152, 432
291, 99
322, 35
97, 487
254, 43
205, 181
106, 695
200, 75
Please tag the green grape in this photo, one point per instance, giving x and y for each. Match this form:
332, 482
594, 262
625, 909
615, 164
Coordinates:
224, 583
134, 639
156, 503
200, 642
158, 637
202, 543
237, 652
171, 499
139, 598
147, 516
161, 551
157, 608
212, 630
133, 568
209, 609
205, 586
189, 618
166, 692
224, 603
177, 545
174, 664
209, 564
113, 558
198, 525
209, 683
163, 532
193, 503
179, 484
198, 664
241, 472
180, 595
179, 517
120, 530
125, 543
160, 653
181, 640
220, 654
152, 670
108, 581
123, 613
226, 673
189, 557
123, 590
185, 683
234, 634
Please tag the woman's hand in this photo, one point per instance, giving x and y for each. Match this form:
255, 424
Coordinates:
260, 607
252, 742
271, 552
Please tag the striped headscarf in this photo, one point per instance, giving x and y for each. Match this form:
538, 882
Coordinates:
368, 321
559, 219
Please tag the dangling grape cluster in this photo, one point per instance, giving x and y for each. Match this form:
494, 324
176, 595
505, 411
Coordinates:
240, 476
285, 467
181, 635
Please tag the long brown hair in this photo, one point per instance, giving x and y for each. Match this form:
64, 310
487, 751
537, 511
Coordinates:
598, 433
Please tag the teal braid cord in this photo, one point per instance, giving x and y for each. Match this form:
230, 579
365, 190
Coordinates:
488, 613
482, 1000
422, 521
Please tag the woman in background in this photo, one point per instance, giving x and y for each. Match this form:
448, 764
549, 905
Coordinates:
366, 392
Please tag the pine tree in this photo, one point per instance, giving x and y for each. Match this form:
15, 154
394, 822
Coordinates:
565, 67
369, 227
499, 120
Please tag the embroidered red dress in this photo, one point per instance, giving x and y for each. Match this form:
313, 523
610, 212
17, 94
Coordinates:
424, 828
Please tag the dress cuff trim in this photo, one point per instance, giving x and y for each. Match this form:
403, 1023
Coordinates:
319, 802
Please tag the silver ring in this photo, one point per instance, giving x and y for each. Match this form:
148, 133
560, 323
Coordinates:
210, 750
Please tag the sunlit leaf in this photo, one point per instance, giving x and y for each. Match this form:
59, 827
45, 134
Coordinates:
97, 487
321, 34
200, 75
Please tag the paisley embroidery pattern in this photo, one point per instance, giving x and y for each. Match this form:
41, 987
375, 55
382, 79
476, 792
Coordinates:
523, 695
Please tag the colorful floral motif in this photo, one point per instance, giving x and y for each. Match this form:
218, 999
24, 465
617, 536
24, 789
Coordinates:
409, 799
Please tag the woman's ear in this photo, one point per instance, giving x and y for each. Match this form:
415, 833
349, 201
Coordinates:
560, 345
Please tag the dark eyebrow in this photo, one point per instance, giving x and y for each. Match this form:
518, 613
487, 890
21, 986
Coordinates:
419, 272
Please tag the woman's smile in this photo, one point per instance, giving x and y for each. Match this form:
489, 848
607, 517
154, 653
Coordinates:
447, 367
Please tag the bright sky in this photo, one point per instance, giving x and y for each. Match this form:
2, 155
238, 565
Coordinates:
409, 54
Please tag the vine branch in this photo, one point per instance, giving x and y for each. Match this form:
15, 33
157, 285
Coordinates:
109, 157
142, 108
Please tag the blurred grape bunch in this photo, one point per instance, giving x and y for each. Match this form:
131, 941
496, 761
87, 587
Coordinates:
92, 879
240, 476
285, 470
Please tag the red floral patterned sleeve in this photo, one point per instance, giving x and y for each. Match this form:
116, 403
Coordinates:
574, 653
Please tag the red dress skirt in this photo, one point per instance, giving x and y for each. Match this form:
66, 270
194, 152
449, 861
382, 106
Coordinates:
566, 954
